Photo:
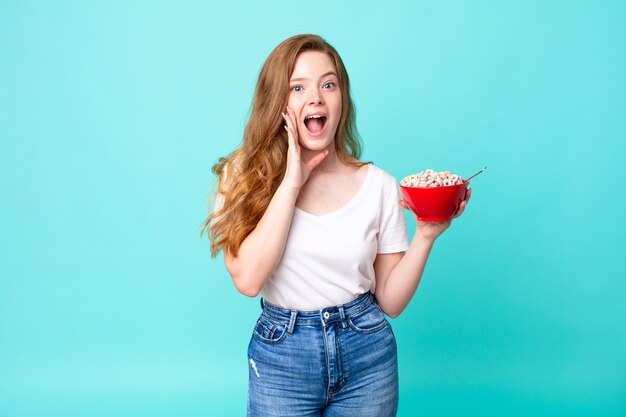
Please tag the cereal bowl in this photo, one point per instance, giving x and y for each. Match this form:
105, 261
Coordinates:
434, 204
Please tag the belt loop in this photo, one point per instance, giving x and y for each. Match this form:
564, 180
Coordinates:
342, 314
262, 303
292, 321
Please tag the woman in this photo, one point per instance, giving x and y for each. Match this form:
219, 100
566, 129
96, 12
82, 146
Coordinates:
321, 237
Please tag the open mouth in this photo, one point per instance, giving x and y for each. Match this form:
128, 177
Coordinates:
315, 124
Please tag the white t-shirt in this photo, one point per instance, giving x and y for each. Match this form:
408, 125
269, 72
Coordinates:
329, 260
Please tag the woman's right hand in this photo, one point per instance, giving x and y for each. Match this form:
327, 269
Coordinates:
261, 251
298, 169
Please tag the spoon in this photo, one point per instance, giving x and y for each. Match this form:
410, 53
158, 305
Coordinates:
479, 172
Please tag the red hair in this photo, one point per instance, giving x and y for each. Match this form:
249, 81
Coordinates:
257, 167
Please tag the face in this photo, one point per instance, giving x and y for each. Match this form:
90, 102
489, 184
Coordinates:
315, 98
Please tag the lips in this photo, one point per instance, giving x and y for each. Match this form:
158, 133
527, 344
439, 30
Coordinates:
315, 123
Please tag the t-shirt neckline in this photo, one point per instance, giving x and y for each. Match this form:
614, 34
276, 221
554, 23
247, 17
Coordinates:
346, 206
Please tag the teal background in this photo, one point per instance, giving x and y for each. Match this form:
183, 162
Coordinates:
113, 113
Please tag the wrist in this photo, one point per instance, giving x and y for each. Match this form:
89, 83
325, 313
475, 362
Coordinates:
288, 190
422, 240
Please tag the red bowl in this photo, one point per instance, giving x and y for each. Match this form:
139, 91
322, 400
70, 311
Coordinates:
434, 204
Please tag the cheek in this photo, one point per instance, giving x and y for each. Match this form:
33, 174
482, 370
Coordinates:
338, 109
337, 104
295, 105
294, 102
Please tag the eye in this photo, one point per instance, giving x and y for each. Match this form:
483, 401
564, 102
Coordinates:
329, 85
296, 88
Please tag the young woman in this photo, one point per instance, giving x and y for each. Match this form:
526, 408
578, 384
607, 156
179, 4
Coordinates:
321, 236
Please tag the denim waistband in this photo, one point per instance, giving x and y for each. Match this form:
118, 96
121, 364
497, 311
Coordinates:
318, 317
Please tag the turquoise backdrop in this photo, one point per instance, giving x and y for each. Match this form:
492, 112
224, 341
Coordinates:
113, 113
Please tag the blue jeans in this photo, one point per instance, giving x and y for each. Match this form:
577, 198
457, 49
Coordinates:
339, 361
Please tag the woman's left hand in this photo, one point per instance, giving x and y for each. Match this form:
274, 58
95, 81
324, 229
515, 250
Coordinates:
432, 230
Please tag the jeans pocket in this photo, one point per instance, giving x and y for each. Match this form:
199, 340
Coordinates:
370, 320
270, 331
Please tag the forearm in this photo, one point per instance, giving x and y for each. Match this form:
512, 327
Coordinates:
404, 278
262, 249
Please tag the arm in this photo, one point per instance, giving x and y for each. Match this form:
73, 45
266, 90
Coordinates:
398, 275
261, 251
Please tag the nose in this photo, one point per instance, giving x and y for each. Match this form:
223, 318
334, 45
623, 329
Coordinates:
316, 97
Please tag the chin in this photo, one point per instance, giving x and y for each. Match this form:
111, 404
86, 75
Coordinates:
314, 148
315, 144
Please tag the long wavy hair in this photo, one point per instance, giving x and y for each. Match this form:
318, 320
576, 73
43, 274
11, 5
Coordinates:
256, 168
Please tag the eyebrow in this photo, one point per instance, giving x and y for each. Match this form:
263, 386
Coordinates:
323, 75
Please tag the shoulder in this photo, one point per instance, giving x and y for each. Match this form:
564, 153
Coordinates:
382, 177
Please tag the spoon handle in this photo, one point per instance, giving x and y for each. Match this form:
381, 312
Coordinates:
479, 172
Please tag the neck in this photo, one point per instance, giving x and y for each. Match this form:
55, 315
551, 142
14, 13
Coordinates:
330, 163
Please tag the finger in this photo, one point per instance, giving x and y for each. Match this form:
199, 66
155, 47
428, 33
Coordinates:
461, 209
291, 143
292, 114
286, 121
404, 204
289, 117
290, 130
294, 121
288, 134
294, 148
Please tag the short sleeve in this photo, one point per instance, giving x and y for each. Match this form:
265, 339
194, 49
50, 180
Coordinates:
392, 235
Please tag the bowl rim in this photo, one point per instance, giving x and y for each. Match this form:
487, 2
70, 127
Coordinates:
433, 188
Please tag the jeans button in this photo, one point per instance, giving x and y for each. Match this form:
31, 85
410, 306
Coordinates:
326, 315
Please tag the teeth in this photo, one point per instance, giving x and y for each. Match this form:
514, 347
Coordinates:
314, 117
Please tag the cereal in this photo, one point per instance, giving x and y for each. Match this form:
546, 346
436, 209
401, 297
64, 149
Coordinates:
430, 178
